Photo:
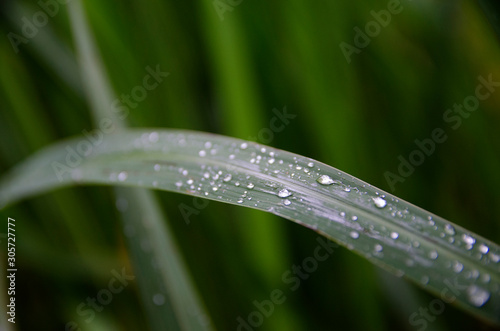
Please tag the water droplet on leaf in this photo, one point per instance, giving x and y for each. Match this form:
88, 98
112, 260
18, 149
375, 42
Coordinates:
379, 202
477, 295
325, 180
284, 193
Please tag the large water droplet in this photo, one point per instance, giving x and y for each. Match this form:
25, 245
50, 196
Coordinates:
122, 176
483, 248
354, 235
477, 295
284, 193
468, 239
379, 202
325, 180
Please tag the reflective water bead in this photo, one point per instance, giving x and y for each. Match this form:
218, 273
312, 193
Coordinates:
325, 180
284, 193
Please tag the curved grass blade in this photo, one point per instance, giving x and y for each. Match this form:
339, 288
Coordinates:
442, 257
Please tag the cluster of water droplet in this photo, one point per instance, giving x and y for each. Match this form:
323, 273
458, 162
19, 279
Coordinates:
225, 173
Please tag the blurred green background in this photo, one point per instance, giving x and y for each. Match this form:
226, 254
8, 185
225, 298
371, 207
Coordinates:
231, 63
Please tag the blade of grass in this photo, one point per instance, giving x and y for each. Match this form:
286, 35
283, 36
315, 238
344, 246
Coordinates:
166, 289
391, 233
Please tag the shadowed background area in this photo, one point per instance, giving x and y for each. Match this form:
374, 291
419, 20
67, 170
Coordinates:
360, 86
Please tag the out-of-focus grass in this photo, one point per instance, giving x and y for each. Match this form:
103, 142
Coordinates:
226, 77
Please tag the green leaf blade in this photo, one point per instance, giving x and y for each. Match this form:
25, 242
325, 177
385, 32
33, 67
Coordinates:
444, 258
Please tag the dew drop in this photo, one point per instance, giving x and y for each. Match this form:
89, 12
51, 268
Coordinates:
354, 218
486, 278
271, 161
227, 178
122, 176
202, 153
378, 248
310, 164
394, 235
477, 295
190, 181
215, 188
379, 202
494, 257
468, 239
244, 146
208, 144
157, 167
354, 235
250, 185
153, 137
178, 184
433, 255
240, 200
237, 184
284, 193
231, 156
185, 172
449, 229
483, 248
347, 189
287, 202
325, 180
458, 267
